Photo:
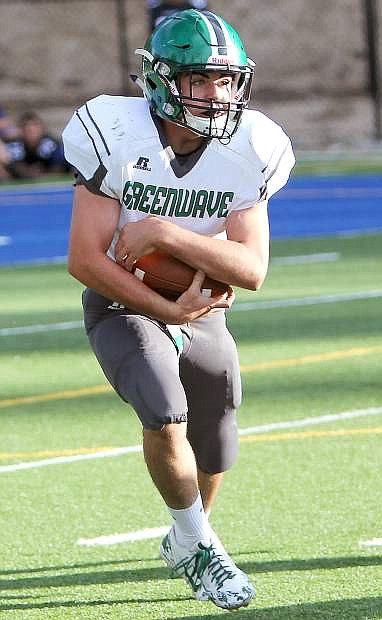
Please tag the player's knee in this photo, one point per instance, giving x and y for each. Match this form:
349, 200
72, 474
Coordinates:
216, 446
169, 432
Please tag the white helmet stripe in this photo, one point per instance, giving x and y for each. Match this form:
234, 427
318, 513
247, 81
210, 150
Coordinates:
217, 26
214, 39
226, 46
231, 47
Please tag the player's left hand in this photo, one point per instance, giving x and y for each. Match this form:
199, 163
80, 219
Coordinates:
136, 239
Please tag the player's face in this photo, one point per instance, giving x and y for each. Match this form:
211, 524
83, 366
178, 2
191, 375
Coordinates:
208, 86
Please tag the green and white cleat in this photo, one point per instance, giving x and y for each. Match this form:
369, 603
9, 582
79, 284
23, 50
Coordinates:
209, 571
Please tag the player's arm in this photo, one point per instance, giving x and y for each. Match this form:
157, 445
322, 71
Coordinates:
241, 260
94, 221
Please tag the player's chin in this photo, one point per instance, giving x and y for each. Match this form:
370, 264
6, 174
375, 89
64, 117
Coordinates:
202, 112
212, 114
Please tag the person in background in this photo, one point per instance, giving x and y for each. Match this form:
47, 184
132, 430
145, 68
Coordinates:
158, 10
35, 152
4, 162
8, 131
8, 128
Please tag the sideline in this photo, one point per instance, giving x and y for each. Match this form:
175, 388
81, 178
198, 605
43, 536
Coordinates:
94, 453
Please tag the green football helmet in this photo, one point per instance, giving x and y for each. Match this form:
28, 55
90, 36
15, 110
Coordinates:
190, 42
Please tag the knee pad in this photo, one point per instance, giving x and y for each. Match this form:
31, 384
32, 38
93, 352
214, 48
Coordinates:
215, 443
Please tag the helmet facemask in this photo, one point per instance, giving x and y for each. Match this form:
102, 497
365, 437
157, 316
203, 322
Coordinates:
214, 118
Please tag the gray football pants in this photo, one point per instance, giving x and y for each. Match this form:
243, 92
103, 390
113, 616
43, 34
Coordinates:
201, 386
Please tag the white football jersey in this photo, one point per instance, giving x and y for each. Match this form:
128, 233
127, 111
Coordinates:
119, 150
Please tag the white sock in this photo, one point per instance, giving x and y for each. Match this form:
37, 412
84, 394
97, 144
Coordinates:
191, 524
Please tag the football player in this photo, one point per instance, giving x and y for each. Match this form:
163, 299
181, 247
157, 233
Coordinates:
188, 170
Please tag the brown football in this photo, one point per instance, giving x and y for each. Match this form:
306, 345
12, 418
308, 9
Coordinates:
170, 277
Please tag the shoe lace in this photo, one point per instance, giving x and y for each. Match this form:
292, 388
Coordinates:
218, 571
204, 558
194, 566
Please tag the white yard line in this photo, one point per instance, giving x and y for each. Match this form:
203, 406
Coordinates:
158, 532
374, 542
305, 301
44, 327
58, 460
299, 259
239, 307
114, 539
262, 428
322, 419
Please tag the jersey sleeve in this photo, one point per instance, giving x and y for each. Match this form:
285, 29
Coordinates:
87, 150
279, 166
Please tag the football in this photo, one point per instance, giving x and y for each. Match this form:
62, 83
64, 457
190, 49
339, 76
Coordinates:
170, 277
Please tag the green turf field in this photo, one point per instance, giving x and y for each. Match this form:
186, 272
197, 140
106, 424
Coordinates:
293, 511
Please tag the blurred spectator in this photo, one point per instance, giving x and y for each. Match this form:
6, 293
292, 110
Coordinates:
158, 9
8, 129
35, 151
4, 161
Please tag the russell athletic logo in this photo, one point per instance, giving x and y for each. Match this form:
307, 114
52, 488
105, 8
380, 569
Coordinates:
143, 164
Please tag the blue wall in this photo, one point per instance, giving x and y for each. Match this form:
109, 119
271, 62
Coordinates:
35, 220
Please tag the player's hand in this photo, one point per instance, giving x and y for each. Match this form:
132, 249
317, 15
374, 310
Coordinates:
136, 239
192, 304
230, 296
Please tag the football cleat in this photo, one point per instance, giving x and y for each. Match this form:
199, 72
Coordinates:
209, 571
